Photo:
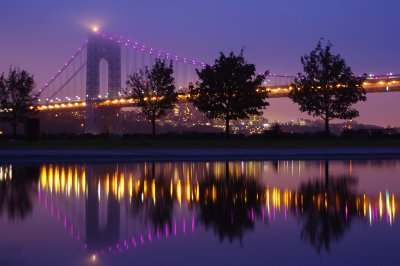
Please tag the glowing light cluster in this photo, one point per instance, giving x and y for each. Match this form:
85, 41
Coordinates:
5, 172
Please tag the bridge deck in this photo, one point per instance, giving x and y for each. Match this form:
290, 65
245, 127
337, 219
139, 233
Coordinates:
275, 92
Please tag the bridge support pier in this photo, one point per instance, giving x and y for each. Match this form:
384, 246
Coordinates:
103, 120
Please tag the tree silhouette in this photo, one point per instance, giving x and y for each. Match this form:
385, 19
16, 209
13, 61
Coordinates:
229, 205
327, 88
327, 209
154, 90
16, 99
16, 194
228, 90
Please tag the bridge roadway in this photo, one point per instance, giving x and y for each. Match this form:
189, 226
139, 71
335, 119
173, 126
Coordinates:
379, 86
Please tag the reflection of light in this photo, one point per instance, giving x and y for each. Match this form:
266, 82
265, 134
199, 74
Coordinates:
130, 187
121, 187
214, 193
393, 207
98, 191
370, 214
171, 189
153, 190
179, 191
380, 205
188, 190
197, 192
64, 179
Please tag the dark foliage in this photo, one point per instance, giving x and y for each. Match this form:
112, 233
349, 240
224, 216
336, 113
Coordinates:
229, 90
154, 90
328, 87
16, 99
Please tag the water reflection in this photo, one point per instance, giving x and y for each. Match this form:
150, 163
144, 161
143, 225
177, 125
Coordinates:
229, 204
16, 191
327, 208
109, 208
157, 209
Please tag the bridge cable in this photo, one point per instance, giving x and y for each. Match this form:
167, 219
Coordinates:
66, 83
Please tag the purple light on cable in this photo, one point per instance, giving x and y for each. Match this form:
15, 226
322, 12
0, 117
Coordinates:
175, 228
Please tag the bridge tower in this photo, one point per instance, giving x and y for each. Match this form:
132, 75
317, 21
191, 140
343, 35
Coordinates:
99, 48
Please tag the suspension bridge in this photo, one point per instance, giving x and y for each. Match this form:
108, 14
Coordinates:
93, 78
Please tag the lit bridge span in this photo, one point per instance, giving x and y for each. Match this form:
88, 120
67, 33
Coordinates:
379, 84
95, 75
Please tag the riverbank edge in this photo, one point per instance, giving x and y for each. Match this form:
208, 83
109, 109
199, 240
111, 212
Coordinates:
95, 155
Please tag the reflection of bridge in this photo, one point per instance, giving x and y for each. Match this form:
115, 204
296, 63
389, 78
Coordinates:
91, 78
96, 205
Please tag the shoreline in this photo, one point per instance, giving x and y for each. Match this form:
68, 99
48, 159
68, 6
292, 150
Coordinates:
138, 155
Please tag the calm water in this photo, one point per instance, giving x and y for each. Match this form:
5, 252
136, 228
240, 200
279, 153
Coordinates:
201, 213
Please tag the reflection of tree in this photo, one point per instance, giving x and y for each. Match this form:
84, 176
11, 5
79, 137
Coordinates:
229, 205
16, 193
327, 208
159, 212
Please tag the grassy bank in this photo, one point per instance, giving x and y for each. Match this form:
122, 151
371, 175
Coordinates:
191, 143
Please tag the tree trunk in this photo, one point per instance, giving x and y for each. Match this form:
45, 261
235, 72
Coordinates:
14, 126
227, 126
327, 133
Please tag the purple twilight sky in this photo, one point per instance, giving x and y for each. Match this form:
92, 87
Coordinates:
40, 35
